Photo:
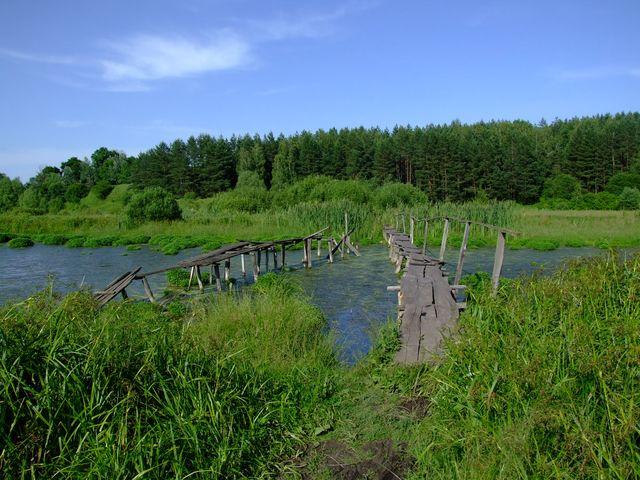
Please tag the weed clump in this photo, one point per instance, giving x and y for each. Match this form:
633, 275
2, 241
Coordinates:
20, 242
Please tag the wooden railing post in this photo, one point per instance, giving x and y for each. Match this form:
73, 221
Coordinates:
463, 250
216, 269
426, 232
411, 228
256, 270
147, 290
404, 224
244, 269
497, 262
283, 249
445, 235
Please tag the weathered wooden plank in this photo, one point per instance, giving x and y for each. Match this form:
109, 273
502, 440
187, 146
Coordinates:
463, 251
497, 262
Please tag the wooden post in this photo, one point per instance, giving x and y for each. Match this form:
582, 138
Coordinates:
307, 247
147, 290
411, 227
256, 270
216, 269
426, 233
304, 252
211, 274
191, 274
199, 278
275, 258
244, 269
463, 250
283, 249
397, 221
123, 292
497, 261
331, 242
227, 269
266, 260
259, 255
404, 224
346, 225
445, 235
319, 246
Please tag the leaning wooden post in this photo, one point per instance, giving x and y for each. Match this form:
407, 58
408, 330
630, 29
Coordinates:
346, 225
404, 224
244, 269
443, 243
397, 221
147, 290
463, 250
497, 261
256, 270
191, 274
123, 292
331, 242
426, 233
319, 246
199, 278
411, 227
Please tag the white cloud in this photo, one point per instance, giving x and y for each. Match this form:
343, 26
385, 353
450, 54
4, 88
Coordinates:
149, 57
38, 58
595, 73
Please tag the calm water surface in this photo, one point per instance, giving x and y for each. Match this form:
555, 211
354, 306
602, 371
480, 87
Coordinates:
351, 292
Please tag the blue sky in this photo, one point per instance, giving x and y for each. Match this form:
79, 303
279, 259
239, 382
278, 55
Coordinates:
77, 75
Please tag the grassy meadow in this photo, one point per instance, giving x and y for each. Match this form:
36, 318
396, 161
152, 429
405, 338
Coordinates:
541, 382
311, 204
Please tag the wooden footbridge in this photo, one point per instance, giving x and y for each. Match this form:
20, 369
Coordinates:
428, 309
259, 253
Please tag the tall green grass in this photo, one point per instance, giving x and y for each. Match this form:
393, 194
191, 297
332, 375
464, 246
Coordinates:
220, 389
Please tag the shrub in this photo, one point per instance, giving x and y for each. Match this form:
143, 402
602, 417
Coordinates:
561, 186
629, 199
249, 179
102, 189
5, 237
153, 204
595, 201
179, 277
52, 239
20, 242
397, 195
250, 200
620, 181
76, 242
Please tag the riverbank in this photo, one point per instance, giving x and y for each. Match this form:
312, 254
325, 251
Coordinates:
207, 225
541, 382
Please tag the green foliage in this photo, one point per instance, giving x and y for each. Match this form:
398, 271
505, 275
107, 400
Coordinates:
20, 242
153, 204
5, 237
10, 191
51, 239
629, 199
179, 278
102, 189
620, 181
535, 370
129, 389
76, 241
249, 179
562, 186
393, 195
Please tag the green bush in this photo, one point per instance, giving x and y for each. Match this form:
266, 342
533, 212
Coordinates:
393, 195
561, 186
250, 200
153, 204
20, 242
76, 241
250, 179
52, 239
620, 181
5, 237
595, 201
102, 189
629, 199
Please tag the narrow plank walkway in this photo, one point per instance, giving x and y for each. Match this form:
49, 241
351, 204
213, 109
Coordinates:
427, 309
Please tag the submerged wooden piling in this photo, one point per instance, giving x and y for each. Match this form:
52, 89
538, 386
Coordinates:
463, 251
497, 261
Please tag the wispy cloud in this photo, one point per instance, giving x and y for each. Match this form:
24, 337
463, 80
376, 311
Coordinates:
151, 57
135, 63
595, 73
38, 58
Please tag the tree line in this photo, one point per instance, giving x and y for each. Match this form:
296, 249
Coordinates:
505, 160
